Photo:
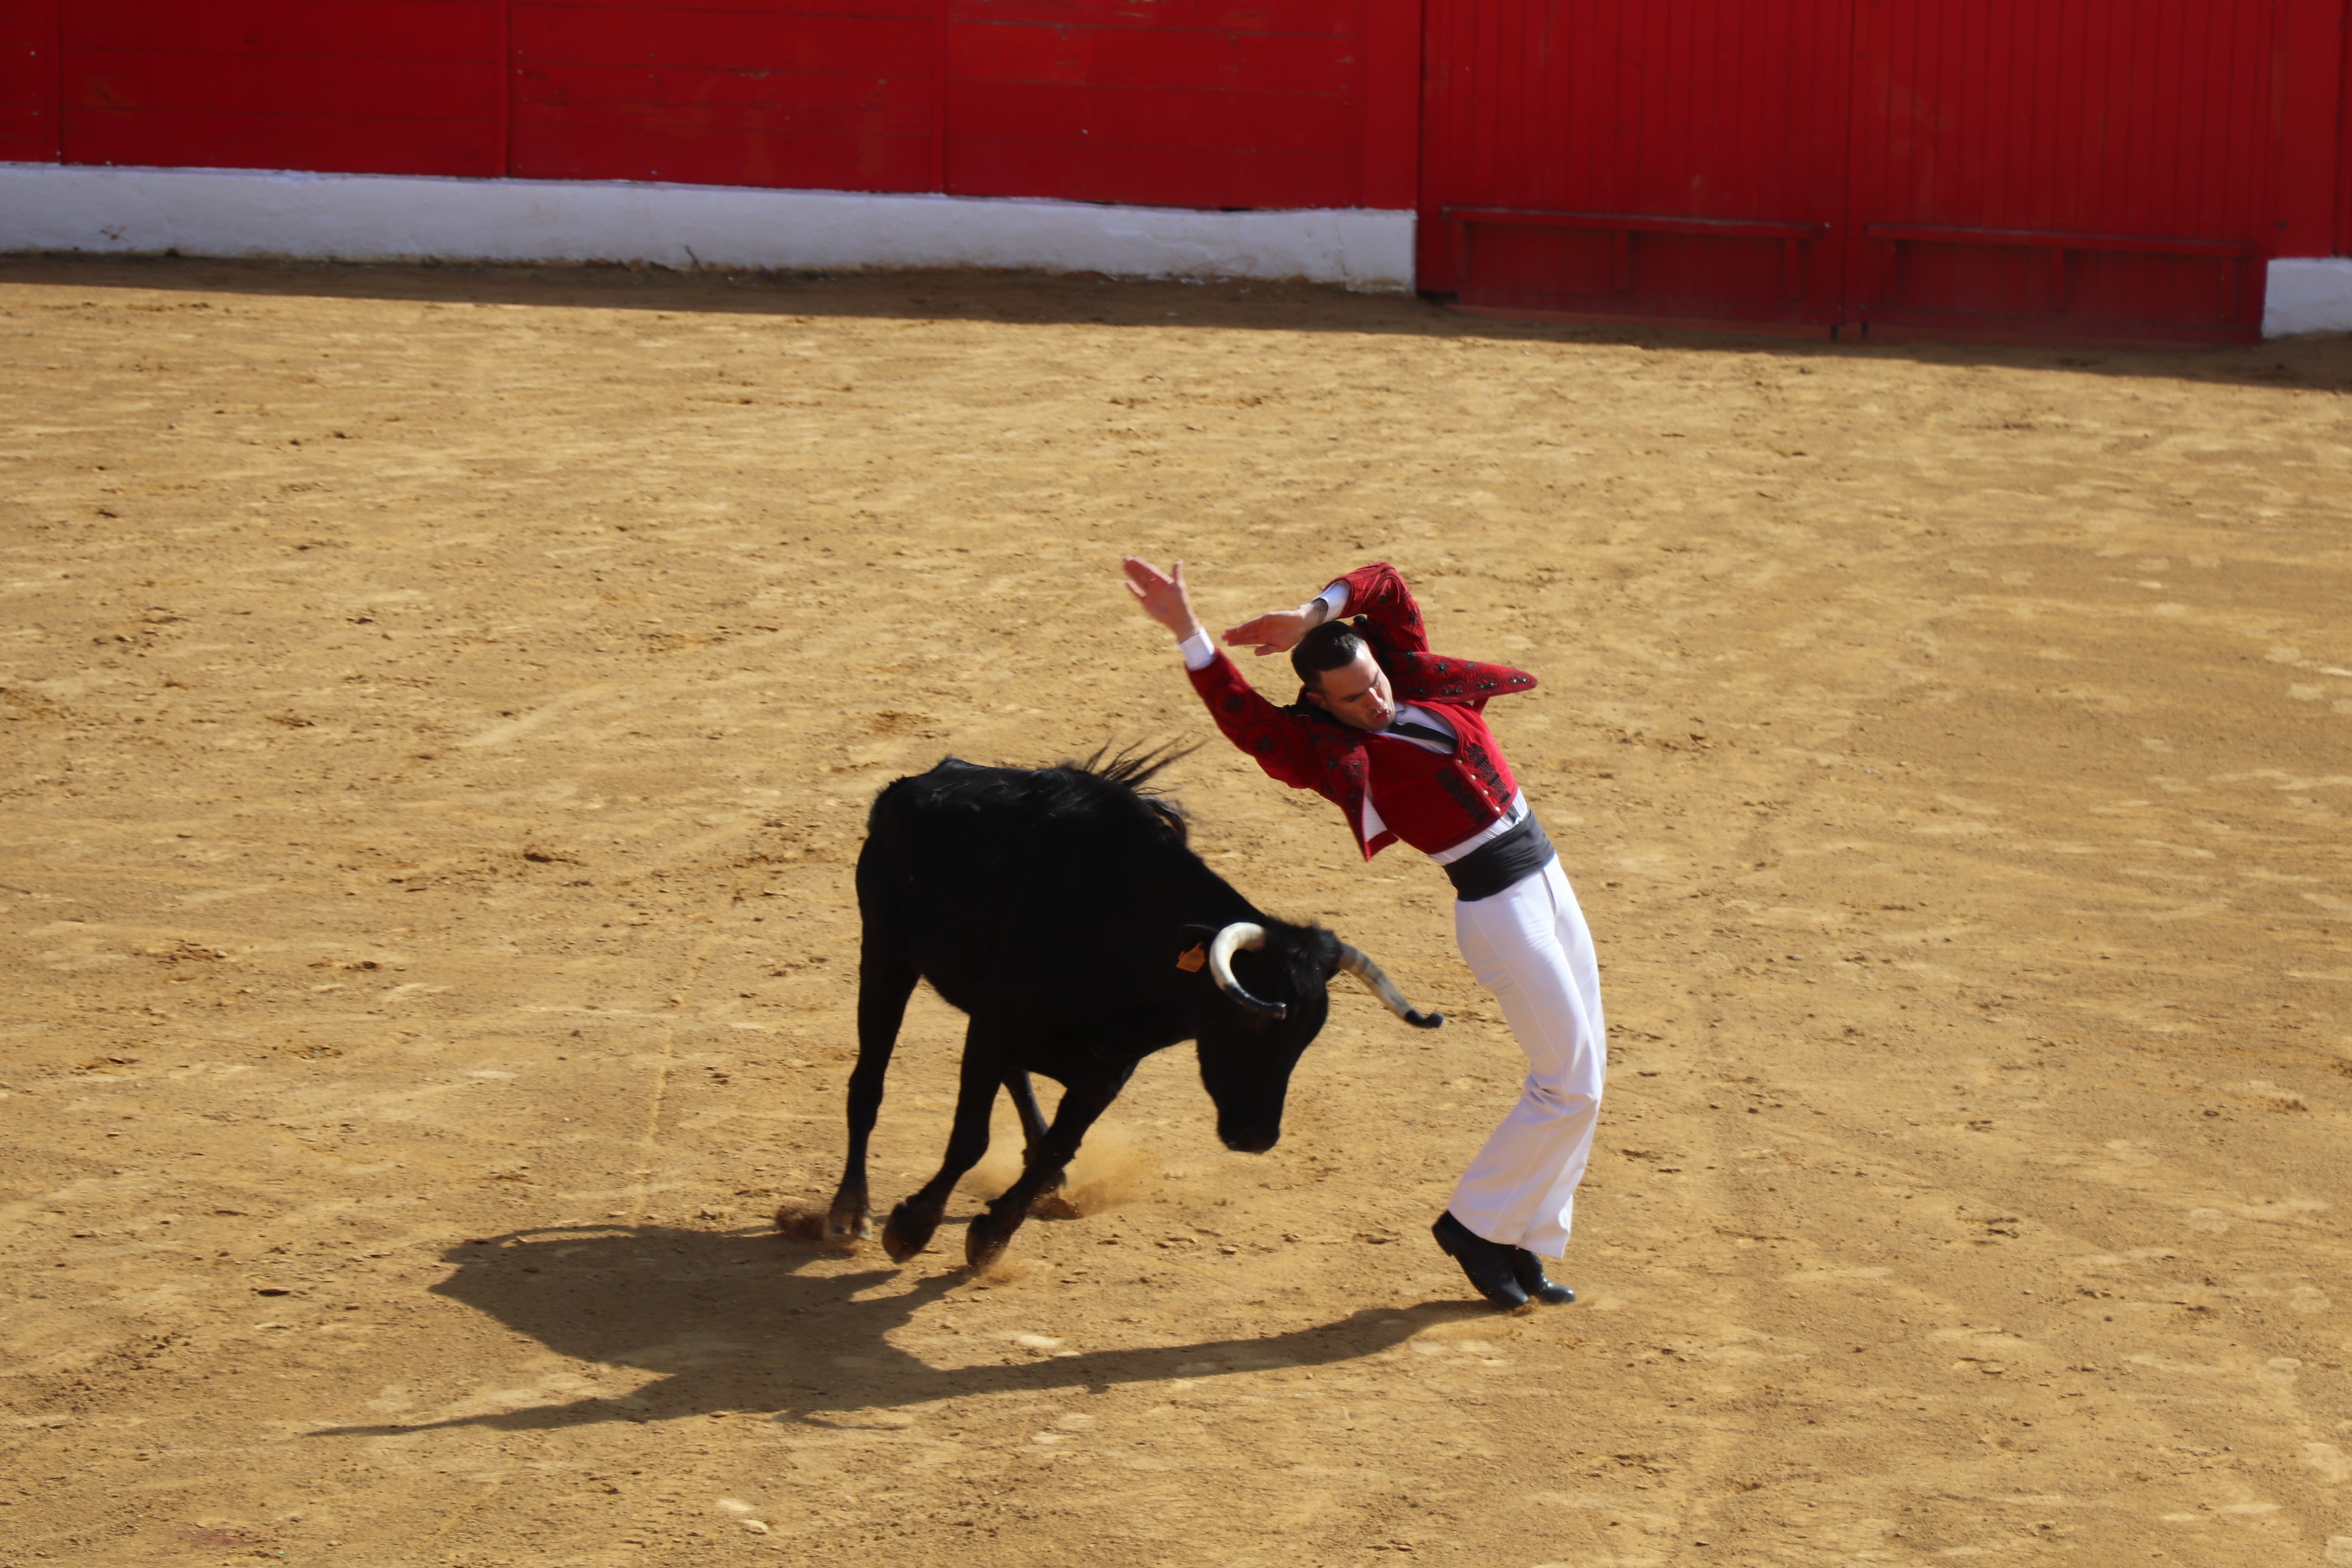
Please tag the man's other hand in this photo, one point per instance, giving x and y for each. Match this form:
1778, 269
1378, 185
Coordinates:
1162, 595
1277, 631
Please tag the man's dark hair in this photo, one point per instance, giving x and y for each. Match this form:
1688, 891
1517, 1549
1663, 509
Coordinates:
1331, 646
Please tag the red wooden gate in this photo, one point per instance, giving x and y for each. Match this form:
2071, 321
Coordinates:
1627, 158
2089, 168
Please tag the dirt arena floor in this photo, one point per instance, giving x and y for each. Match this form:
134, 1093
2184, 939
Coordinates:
437, 709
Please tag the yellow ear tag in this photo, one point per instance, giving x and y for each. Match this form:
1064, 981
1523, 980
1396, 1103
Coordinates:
1195, 956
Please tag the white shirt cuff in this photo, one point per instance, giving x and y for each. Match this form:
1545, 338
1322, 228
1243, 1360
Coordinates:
1198, 651
1334, 601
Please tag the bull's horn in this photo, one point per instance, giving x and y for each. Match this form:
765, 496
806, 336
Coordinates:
1240, 934
1353, 961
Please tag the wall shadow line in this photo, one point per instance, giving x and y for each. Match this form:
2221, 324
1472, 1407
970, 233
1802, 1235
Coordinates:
2322, 362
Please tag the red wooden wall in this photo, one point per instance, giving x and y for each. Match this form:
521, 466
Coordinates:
1202, 103
29, 81
2107, 168
2117, 168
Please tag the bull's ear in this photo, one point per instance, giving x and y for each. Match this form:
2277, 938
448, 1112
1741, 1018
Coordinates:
1191, 954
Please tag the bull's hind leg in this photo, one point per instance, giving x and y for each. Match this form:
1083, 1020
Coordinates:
1025, 1105
909, 1228
884, 980
1050, 1204
992, 1229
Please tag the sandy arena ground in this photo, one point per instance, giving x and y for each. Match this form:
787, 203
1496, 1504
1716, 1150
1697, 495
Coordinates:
437, 712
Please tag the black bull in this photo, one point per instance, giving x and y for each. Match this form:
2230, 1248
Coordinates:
1061, 910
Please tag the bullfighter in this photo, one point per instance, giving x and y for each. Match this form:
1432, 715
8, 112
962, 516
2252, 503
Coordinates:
1396, 736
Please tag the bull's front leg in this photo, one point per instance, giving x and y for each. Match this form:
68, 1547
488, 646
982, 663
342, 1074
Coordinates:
908, 1229
992, 1229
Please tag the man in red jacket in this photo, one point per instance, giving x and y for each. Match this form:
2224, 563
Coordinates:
1396, 737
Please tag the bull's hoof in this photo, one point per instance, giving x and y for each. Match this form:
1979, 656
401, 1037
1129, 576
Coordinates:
847, 1224
1053, 1205
906, 1233
984, 1241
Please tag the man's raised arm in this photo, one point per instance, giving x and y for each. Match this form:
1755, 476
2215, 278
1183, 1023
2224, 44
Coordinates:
1274, 740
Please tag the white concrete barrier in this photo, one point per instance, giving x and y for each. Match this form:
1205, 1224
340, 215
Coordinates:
2309, 295
385, 217
354, 217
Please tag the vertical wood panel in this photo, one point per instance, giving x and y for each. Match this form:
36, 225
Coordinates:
809, 94
2313, 124
1388, 156
502, 144
939, 181
362, 85
1195, 103
2344, 142
29, 82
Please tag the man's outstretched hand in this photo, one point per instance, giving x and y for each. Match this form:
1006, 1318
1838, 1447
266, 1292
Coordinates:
1162, 595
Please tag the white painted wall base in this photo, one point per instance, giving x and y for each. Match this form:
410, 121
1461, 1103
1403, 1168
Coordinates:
377, 217
2309, 295
353, 217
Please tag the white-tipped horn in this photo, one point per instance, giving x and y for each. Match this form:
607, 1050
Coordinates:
1355, 963
1221, 948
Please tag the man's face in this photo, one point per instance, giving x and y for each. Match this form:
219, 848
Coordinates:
1357, 694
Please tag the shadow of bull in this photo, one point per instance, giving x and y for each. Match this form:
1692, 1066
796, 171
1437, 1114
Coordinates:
737, 1320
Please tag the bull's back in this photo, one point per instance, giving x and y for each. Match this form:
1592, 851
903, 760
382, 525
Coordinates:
956, 831
971, 867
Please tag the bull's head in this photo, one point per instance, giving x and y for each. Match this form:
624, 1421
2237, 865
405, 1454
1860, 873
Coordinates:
1273, 996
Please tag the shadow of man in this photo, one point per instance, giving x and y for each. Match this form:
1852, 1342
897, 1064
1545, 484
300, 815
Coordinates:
711, 1313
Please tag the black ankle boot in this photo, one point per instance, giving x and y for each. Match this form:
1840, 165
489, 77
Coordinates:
1528, 1270
1489, 1264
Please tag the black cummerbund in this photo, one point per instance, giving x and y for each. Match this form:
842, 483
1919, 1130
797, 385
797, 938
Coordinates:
1500, 863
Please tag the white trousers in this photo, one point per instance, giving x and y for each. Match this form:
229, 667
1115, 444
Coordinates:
1529, 945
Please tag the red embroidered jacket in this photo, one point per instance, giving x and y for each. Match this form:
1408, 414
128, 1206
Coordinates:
1431, 801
